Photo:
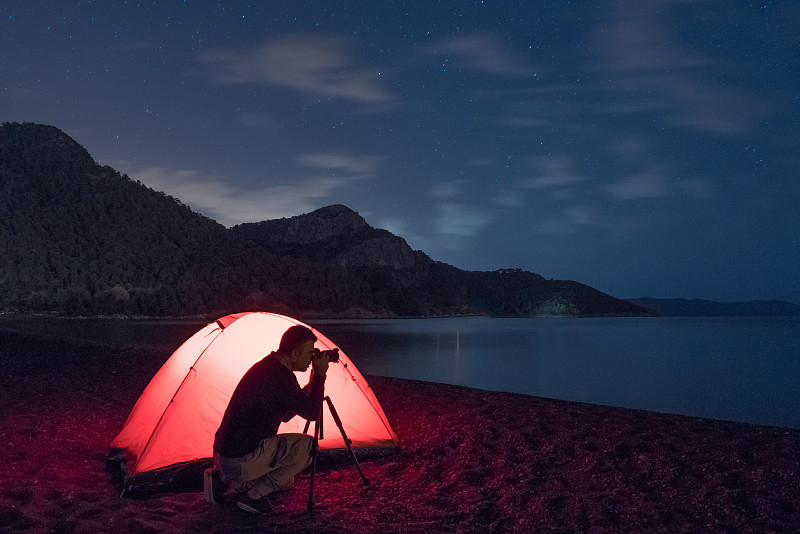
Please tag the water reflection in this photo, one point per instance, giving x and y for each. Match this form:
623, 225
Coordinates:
741, 369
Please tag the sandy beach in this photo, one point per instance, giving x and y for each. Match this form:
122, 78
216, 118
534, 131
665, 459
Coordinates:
471, 461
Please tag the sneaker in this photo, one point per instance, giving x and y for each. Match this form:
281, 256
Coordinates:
213, 487
258, 506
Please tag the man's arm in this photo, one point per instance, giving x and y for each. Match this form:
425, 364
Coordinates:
311, 401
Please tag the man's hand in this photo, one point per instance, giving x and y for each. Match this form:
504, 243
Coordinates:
319, 363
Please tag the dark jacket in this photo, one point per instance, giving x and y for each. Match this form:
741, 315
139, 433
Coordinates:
267, 394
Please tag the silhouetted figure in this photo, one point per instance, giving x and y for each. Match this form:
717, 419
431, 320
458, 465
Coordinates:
249, 454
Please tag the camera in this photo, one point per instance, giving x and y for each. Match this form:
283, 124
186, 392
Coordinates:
333, 354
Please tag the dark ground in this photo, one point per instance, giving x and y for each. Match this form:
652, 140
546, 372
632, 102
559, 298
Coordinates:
471, 461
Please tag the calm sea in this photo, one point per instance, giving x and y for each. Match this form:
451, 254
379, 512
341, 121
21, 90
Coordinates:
740, 369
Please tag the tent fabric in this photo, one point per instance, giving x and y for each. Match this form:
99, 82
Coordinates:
175, 418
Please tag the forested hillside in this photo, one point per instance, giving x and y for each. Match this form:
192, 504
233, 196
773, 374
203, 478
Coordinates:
411, 283
79, 238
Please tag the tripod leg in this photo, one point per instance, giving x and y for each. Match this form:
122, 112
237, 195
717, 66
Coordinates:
319, 422
346, 440
314, 454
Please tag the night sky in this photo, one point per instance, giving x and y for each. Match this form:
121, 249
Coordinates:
646, 148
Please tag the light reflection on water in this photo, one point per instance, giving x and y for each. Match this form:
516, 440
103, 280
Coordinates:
742, 369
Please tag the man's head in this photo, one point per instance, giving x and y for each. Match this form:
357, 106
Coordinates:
296, 347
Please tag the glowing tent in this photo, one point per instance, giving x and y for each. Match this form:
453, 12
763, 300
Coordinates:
172, 425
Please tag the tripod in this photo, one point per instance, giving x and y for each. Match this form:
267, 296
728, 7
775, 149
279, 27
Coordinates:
318, 434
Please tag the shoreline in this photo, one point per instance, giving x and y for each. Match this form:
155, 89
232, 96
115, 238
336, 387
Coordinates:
470, 461
763, 395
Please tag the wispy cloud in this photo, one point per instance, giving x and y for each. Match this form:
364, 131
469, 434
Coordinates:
652, 71
551, 177
344, 163
481, 52
449, 189
638, 186
647, 177
229, 204
315, 64
453, 228
394, 225
567, 221
570, 199
553, 173
460, 219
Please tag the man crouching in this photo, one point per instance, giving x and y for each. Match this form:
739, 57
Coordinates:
249, 454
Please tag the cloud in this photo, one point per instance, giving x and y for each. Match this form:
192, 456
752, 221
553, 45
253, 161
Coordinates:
341, 162
312, 63
394, 225
448, 189
643, 185
459, 219
552, 173
553, 176
656, 184
510, 198
482, 52
229, 204
570, 220
647, 177
652, 71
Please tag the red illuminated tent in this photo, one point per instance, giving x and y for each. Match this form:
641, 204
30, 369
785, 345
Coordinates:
170, 431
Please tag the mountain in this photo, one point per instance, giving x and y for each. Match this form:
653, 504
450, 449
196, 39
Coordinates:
411, 283
709, 308
80, 238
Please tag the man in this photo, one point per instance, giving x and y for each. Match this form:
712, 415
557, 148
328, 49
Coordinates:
249, 455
